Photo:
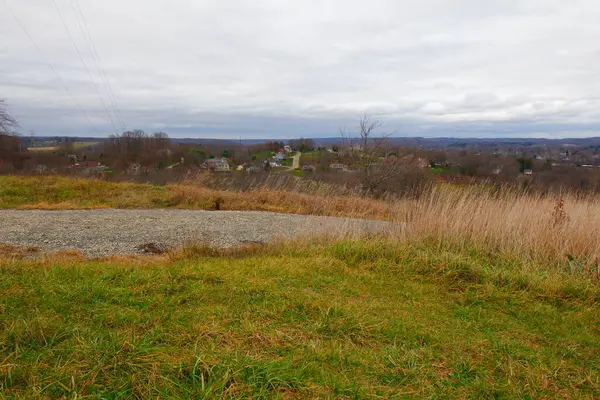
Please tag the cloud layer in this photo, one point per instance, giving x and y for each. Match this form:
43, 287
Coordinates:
269, 68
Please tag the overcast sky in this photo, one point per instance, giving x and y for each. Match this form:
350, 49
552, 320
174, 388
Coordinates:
280, 69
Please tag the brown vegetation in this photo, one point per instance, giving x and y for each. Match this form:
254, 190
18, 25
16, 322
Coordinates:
547, 229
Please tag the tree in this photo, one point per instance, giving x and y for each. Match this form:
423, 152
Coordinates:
160, 141
372, 155
11, 149
8, 124
302, 144
524, 164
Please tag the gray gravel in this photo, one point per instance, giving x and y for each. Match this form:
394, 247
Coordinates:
99, 233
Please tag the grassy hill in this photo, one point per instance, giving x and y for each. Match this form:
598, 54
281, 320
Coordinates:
343, 319
483, 296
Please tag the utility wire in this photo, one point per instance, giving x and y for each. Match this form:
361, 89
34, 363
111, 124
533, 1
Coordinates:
85, 66
47, 61
83, 26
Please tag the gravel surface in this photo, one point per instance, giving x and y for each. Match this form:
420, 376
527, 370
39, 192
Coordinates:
99, 233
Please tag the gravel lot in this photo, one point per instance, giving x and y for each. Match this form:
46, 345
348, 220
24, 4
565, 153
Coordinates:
100, 233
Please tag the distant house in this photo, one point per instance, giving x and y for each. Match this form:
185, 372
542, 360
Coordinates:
275, 164
309, 168
279, 156
89, 168
337, 166
218, 165
287, 149
528, 172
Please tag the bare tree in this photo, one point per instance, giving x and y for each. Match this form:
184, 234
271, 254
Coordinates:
11, 149
372, 155
8, 123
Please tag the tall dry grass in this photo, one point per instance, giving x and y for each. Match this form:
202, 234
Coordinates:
547, 229
561, 228
564, 228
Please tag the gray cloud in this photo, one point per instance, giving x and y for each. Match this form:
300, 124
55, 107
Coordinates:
281, 69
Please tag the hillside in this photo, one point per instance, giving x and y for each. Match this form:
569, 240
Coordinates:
345, 319
484, 295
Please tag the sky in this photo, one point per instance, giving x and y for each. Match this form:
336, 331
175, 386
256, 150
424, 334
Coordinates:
284, 69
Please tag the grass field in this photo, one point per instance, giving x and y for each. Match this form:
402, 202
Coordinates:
76, 146
483, 295
52, 192
560, 230
335, 319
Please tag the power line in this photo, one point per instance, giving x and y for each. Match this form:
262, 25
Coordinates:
65, 87
85, 66
83, 26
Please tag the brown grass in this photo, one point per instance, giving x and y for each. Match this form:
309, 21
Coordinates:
16, 252
285, 201
548, 229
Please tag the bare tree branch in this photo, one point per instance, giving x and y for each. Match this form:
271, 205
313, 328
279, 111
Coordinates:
7, 123
373, 155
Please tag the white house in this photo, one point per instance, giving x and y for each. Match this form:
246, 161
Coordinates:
218, 165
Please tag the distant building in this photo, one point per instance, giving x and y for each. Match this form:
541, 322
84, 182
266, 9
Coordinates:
279, 156
287, 149
309, 168
218, 165
528, 172
337, 166
275, 164
89, 168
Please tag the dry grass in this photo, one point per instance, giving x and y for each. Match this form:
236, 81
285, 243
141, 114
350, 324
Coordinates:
8, 252
563, 229
264, 199
541, 228
76, 146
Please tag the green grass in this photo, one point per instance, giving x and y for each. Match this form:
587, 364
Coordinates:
345, 319
312, 155
20, 191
